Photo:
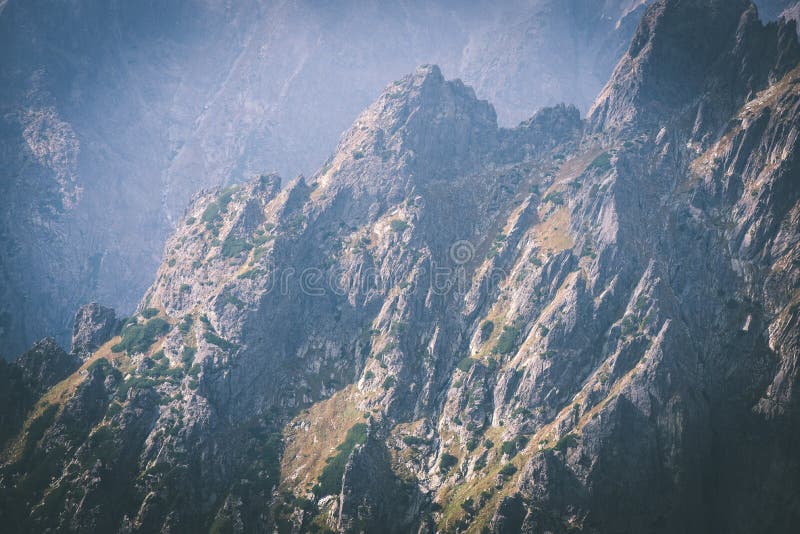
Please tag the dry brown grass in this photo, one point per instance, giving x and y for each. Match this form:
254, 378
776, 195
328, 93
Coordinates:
552, 234
312, 437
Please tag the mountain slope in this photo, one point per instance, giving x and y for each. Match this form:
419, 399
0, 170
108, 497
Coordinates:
568, 325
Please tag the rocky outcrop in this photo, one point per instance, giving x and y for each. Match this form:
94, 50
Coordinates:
28, 378
373, 497
93, 325
45, 364
16, 398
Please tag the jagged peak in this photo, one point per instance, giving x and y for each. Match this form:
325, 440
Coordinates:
264, 185
561, 116
420, 118
695, 61
46, 363
427, 73
545, 129
427, 92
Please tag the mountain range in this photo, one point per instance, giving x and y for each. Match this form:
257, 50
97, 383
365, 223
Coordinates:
574, 324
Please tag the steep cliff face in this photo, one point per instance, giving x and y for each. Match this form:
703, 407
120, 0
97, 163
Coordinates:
451, 326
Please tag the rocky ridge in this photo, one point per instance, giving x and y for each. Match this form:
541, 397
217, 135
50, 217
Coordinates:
104, 143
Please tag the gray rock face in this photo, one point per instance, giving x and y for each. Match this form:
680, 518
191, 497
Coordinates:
46, 364
24, 381
374, 498
93, 325
570, 325
675, 65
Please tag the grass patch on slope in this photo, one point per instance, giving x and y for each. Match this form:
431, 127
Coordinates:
330, 480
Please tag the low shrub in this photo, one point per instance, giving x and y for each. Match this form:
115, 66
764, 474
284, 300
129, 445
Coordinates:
480, 463
466, 364
447, 462
234, 246
187, 357
219, 342
507, 340
487, 327
556, 198
139, 337
601, 163
413, 441
186, 324
567, 441
389, 382
398, 225
511, 447
211, 213
508, 470
147, 313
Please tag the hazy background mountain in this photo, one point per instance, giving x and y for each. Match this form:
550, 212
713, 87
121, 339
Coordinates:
112, 114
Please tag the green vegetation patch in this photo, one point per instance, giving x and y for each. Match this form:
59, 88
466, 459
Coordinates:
447, 462
511, 447
330, 481
389, 382
507, 340
487, 327
556, 197
601, 163
225, 197
508, 470
211, 213
398, 225
103, 365
186, 324
230, 298
414, 441
566, 442
234, 246
187, 357
162, 371
220, 342
136, 382
139, 337
466, 364
261, 239
148, 313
